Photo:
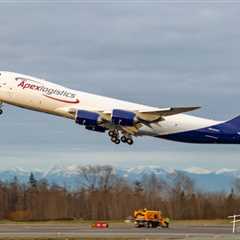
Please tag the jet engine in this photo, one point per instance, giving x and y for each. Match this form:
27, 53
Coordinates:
123, 118
87, 118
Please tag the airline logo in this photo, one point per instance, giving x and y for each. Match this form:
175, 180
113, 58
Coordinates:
51, 93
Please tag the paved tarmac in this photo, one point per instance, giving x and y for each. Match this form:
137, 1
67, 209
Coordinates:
115, 230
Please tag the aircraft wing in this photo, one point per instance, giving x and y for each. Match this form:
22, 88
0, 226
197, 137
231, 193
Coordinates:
144, 117
147, 117
152, 116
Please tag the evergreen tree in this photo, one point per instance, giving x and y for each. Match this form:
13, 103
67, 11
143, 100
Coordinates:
32, 181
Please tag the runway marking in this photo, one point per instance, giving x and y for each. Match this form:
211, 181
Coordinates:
115, 230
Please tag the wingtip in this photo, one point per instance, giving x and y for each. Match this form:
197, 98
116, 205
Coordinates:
185, 109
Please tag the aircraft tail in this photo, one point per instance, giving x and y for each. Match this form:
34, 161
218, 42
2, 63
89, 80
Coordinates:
235, 122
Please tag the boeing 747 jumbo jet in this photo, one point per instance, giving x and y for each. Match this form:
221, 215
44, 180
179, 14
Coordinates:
122, 120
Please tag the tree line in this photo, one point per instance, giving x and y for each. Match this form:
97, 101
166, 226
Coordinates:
102, 194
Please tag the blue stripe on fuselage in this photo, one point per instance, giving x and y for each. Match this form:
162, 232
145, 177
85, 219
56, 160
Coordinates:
225, 133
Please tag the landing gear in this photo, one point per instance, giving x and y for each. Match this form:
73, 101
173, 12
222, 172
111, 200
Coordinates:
110, 133
129, 141
1, 111
114, 136
124, 139
115, 140
113, 133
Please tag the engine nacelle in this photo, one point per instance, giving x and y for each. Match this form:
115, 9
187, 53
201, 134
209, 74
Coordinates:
96, 128
87, 118
123, 118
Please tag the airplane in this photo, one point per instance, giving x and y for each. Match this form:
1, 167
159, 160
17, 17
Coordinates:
122, 120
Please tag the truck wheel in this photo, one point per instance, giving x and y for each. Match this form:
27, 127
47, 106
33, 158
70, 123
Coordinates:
165, 225
150, 225
137, 225
155, 225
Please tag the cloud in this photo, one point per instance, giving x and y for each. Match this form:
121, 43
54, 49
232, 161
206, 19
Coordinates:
157, 54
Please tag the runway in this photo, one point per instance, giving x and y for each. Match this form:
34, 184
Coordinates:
115, 230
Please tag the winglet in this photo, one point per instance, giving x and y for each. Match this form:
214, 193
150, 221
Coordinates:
176, 110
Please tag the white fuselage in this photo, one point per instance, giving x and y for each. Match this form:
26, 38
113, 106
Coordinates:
43, 96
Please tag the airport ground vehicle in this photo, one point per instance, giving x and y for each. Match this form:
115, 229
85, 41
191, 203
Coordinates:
150, 219
100, 225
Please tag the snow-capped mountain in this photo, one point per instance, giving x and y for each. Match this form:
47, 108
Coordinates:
70, 176
197, 170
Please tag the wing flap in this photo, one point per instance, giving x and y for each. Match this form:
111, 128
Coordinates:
132, 130
153, 116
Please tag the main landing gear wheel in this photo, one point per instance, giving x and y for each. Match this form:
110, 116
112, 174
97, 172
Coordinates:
113, 133
1, 111
110, 133
115, 140
129, 141
115, 137
124, 139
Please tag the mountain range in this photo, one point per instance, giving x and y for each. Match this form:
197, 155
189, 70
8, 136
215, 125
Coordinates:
204, 179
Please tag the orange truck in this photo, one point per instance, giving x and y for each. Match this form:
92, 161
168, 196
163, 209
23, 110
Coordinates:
150, 219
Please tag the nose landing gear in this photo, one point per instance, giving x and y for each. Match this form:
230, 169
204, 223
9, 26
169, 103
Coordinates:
1, 111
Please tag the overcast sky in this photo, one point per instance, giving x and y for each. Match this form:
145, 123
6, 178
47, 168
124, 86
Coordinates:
157, 54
